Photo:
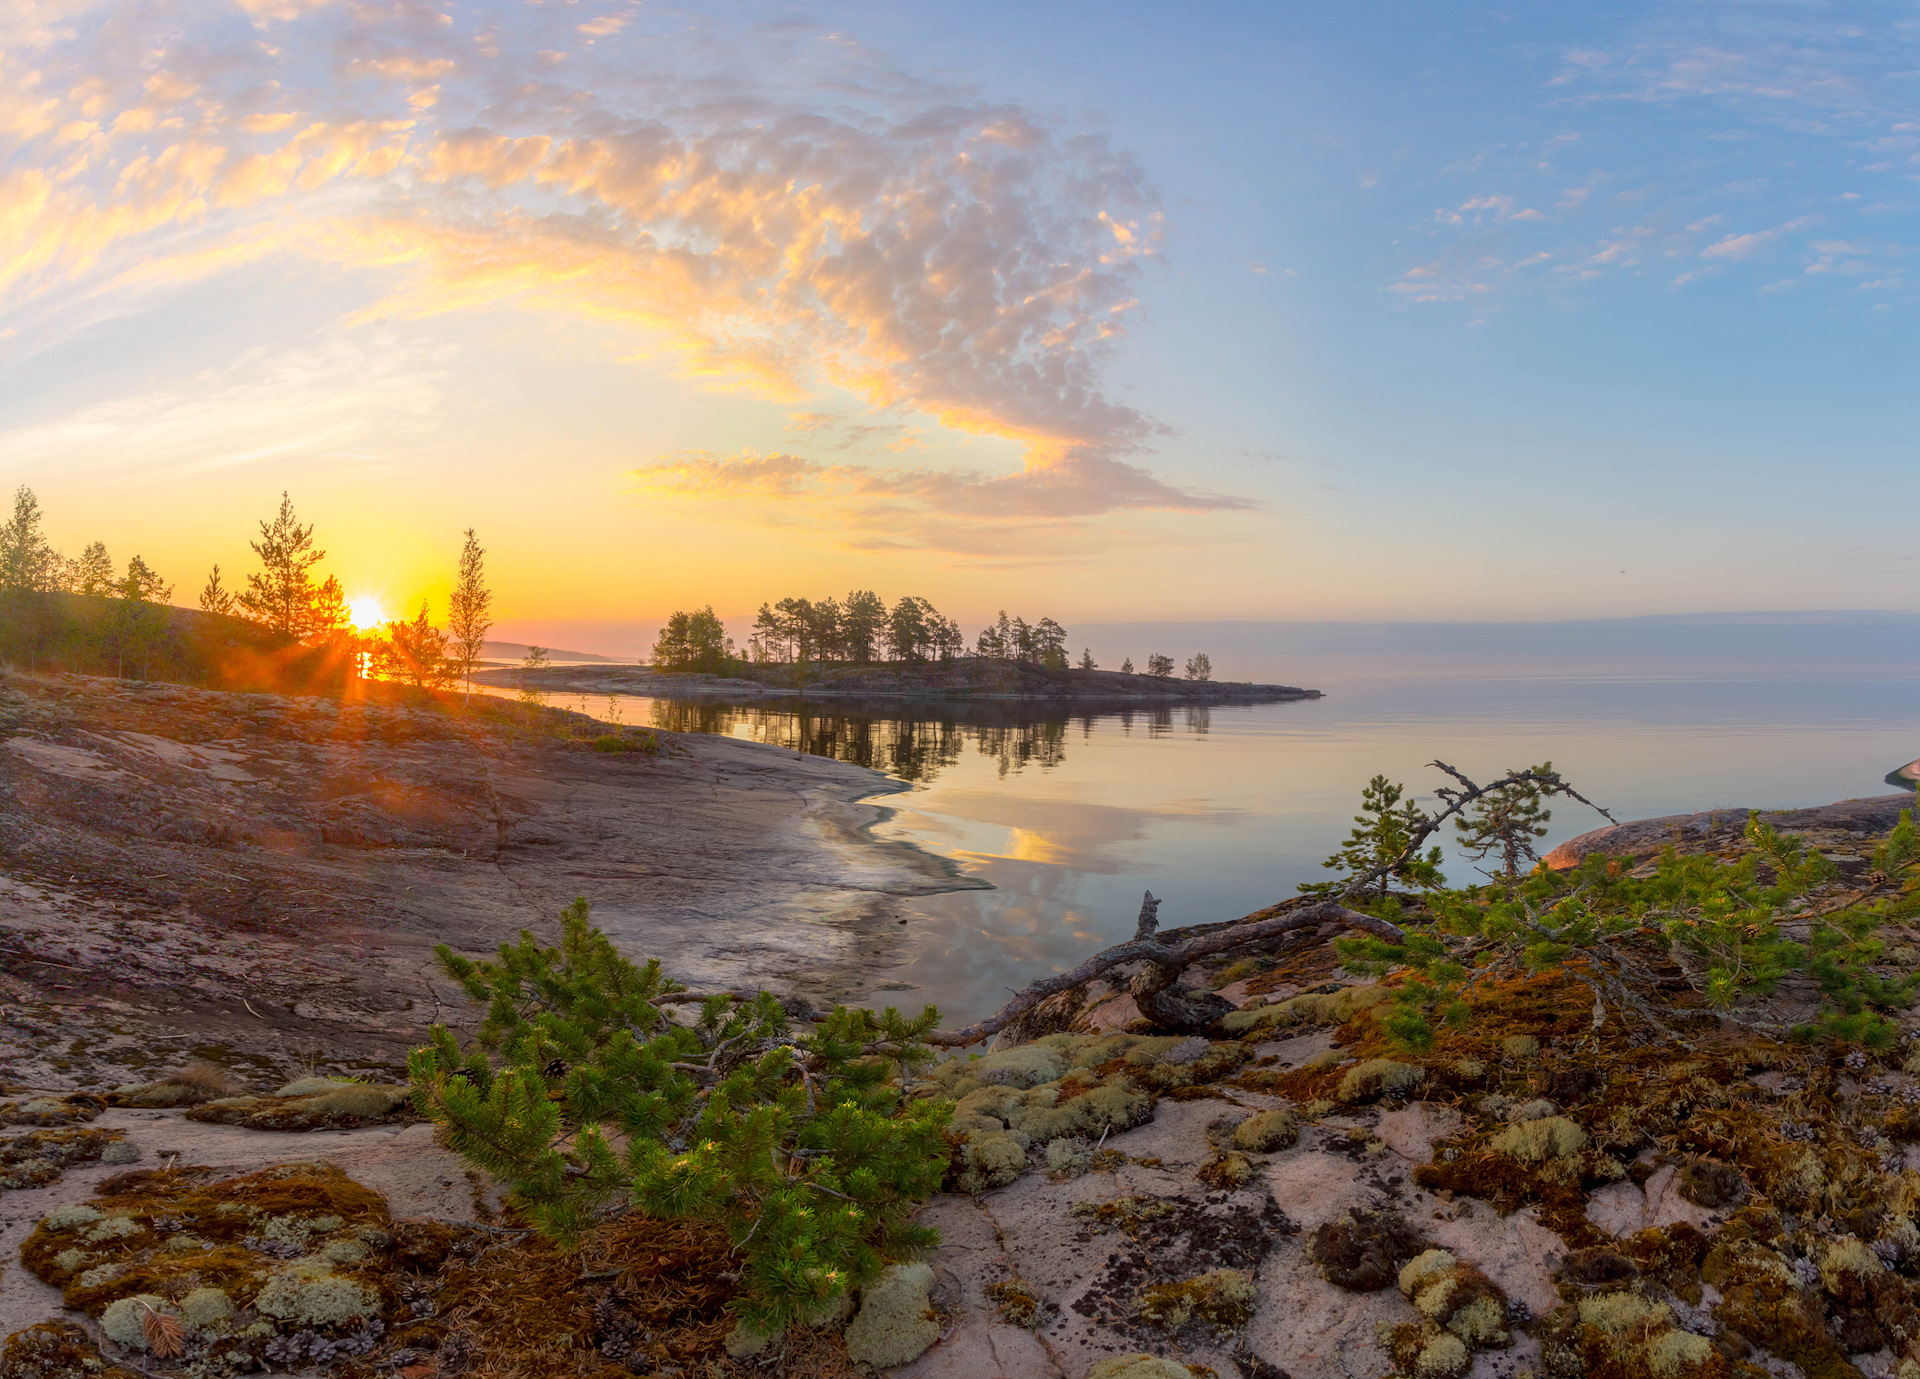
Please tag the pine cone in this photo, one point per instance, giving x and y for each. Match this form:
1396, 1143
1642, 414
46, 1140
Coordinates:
556, 1067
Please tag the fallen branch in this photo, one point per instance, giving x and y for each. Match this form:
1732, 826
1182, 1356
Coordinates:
1154, 989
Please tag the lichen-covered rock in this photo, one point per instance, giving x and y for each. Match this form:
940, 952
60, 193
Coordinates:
1226, 1172
896, 1321
330, 1106
53, 1109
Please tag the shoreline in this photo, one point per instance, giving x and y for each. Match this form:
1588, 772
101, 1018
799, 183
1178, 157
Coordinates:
260, 879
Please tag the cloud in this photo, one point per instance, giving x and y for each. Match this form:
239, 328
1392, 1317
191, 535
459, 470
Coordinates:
342, 398
954, 510
902, 246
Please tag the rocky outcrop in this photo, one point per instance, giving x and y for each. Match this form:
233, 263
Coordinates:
1693, 832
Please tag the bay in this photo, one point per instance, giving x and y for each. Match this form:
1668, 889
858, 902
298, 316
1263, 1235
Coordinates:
1067, 818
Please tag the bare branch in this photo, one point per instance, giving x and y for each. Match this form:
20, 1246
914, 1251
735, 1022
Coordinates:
1170, 960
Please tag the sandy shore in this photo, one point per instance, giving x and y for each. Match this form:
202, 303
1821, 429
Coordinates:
261, 880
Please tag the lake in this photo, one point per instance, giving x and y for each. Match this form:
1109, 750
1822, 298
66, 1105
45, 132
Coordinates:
1067, 818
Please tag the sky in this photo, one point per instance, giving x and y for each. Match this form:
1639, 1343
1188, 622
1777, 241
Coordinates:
1112, 313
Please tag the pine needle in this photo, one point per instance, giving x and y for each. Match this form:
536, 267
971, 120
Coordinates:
165, 1336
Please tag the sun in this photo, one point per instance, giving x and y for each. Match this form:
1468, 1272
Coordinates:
365, 614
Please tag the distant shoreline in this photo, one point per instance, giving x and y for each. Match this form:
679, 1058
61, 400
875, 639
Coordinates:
962, 680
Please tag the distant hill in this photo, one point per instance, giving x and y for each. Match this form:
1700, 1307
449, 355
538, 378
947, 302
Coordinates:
517, 651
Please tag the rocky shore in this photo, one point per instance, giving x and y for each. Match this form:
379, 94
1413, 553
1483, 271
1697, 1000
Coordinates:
259, 880
1551, 1188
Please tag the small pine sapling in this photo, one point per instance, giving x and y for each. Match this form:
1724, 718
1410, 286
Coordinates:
585, 1097
1380, 848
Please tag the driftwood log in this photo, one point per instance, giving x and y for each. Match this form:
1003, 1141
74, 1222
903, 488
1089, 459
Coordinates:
1155, 985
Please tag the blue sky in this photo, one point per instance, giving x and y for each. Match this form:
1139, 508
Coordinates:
1375, 311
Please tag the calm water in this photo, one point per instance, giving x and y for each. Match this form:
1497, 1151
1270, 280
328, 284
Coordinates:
1221, 811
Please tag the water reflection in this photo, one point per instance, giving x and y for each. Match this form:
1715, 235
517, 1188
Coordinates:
1223, 809
917, 748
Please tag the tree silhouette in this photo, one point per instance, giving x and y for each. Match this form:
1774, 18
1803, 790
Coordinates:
467, 611
281, 594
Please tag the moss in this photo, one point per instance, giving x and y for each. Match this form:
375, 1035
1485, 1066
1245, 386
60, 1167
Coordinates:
1535, 1141
1226, 1172
112, 1228
896, 1322
1223, 1298
1363, 1251
1519, 1046
1017, 1304
206, 1308
340, 1106
1673, 1353
1379, 1077
1265, 1131
1423, 1269
1846, 1267
124, 1320
120, 1152
1138, 1366
1124, 1213
65, 1218
1318, 1008
1023, 1067
1713, 1185
1539, 1108
309, 1293
980, 1162
1426, 1352
57, 1350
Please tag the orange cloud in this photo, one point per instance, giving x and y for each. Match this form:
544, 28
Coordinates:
943, 257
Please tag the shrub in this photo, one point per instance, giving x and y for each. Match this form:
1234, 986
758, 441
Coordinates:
803, 1146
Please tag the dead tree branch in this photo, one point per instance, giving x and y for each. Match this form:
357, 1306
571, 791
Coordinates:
1154, 988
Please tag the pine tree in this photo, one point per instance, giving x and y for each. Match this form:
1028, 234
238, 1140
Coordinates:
281, 595
330, 615
804, 1146
1159, 666
1382, 829
1126, 666
467, 611
1200, 667
414, 651
93, 572
1086, 659
214, 598
27, 563
863, 622
1506, 821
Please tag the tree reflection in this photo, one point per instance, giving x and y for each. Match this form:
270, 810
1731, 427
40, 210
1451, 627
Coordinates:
916, 748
